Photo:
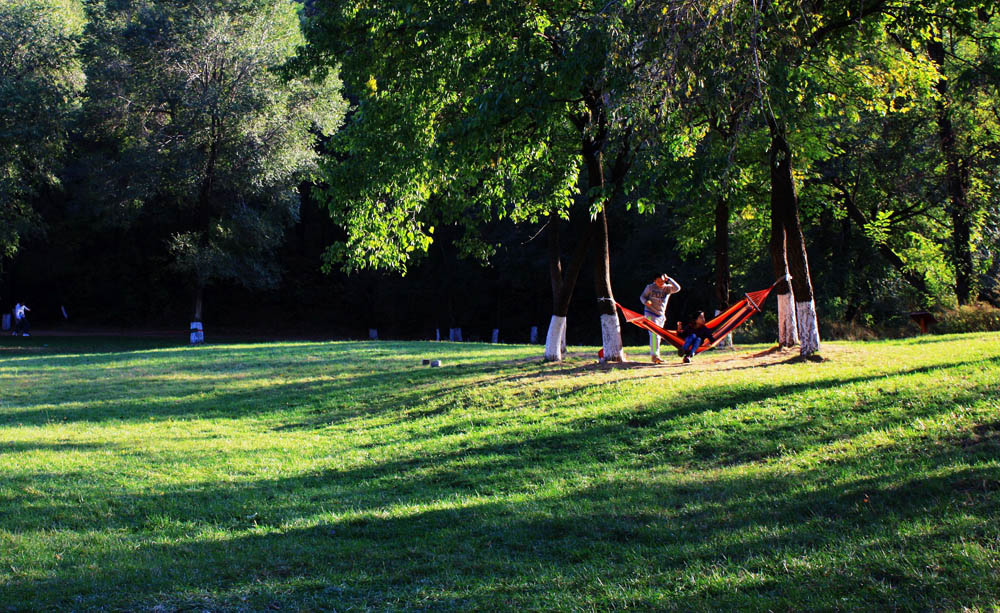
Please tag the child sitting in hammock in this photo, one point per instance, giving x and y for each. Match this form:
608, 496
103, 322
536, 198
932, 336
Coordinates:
694, 333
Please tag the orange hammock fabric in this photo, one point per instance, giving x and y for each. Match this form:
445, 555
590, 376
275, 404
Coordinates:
720, 326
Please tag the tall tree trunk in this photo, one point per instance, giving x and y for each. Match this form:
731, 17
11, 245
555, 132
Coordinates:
785, 206
197, 330
611, 335
957, 183
563, 284
199, 301
961, 219
788, 334
722, 274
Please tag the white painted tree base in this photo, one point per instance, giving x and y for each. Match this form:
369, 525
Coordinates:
611, 337
197, 333
788, 332
555, 340
808, 326
726, 343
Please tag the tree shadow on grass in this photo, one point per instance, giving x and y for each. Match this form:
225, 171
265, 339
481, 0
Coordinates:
786, 543
762, 541
32, 446
208, 358
336, 401
637, 436
942, 338
47, 347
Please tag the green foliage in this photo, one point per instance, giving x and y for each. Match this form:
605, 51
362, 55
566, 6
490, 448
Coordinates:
972, 87
481, 111
40, 83
207, 131
977, 317
927, 258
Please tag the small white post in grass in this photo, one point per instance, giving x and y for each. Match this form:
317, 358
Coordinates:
496, 335
373, 334
534, 335
197, 333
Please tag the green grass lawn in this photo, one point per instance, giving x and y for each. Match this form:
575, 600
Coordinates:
347, 476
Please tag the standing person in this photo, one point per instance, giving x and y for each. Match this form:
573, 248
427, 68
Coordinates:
21, 320
695, 332
654, 302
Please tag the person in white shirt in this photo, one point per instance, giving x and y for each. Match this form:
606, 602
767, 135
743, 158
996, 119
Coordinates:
654, 302
21, 325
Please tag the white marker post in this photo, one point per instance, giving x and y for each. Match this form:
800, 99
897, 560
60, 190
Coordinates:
197, 333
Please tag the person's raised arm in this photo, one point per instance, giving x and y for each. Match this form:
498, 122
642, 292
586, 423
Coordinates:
673, 285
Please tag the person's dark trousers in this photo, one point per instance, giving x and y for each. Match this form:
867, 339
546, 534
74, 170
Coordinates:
691, 344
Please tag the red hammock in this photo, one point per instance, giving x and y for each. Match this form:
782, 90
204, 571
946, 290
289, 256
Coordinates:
720, 326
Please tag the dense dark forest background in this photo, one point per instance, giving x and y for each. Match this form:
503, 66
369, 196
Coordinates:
117, 278
121, 279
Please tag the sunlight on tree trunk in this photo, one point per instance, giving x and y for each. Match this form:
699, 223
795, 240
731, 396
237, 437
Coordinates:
611, 334
555, 340
788, 330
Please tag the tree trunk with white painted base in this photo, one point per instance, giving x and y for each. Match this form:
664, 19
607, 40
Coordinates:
611, 339
788, 335
563, 284
786, 206
788, 330
555, 340
611, 332
594, 143
805, 305
785, 210
805, 315
197, 327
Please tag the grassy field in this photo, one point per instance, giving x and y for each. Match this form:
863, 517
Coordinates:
347, 476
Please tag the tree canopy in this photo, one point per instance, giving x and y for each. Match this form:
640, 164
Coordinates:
40, 83
206, 127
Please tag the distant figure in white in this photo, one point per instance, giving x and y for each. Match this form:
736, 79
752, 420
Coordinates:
654, 302
21, 320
